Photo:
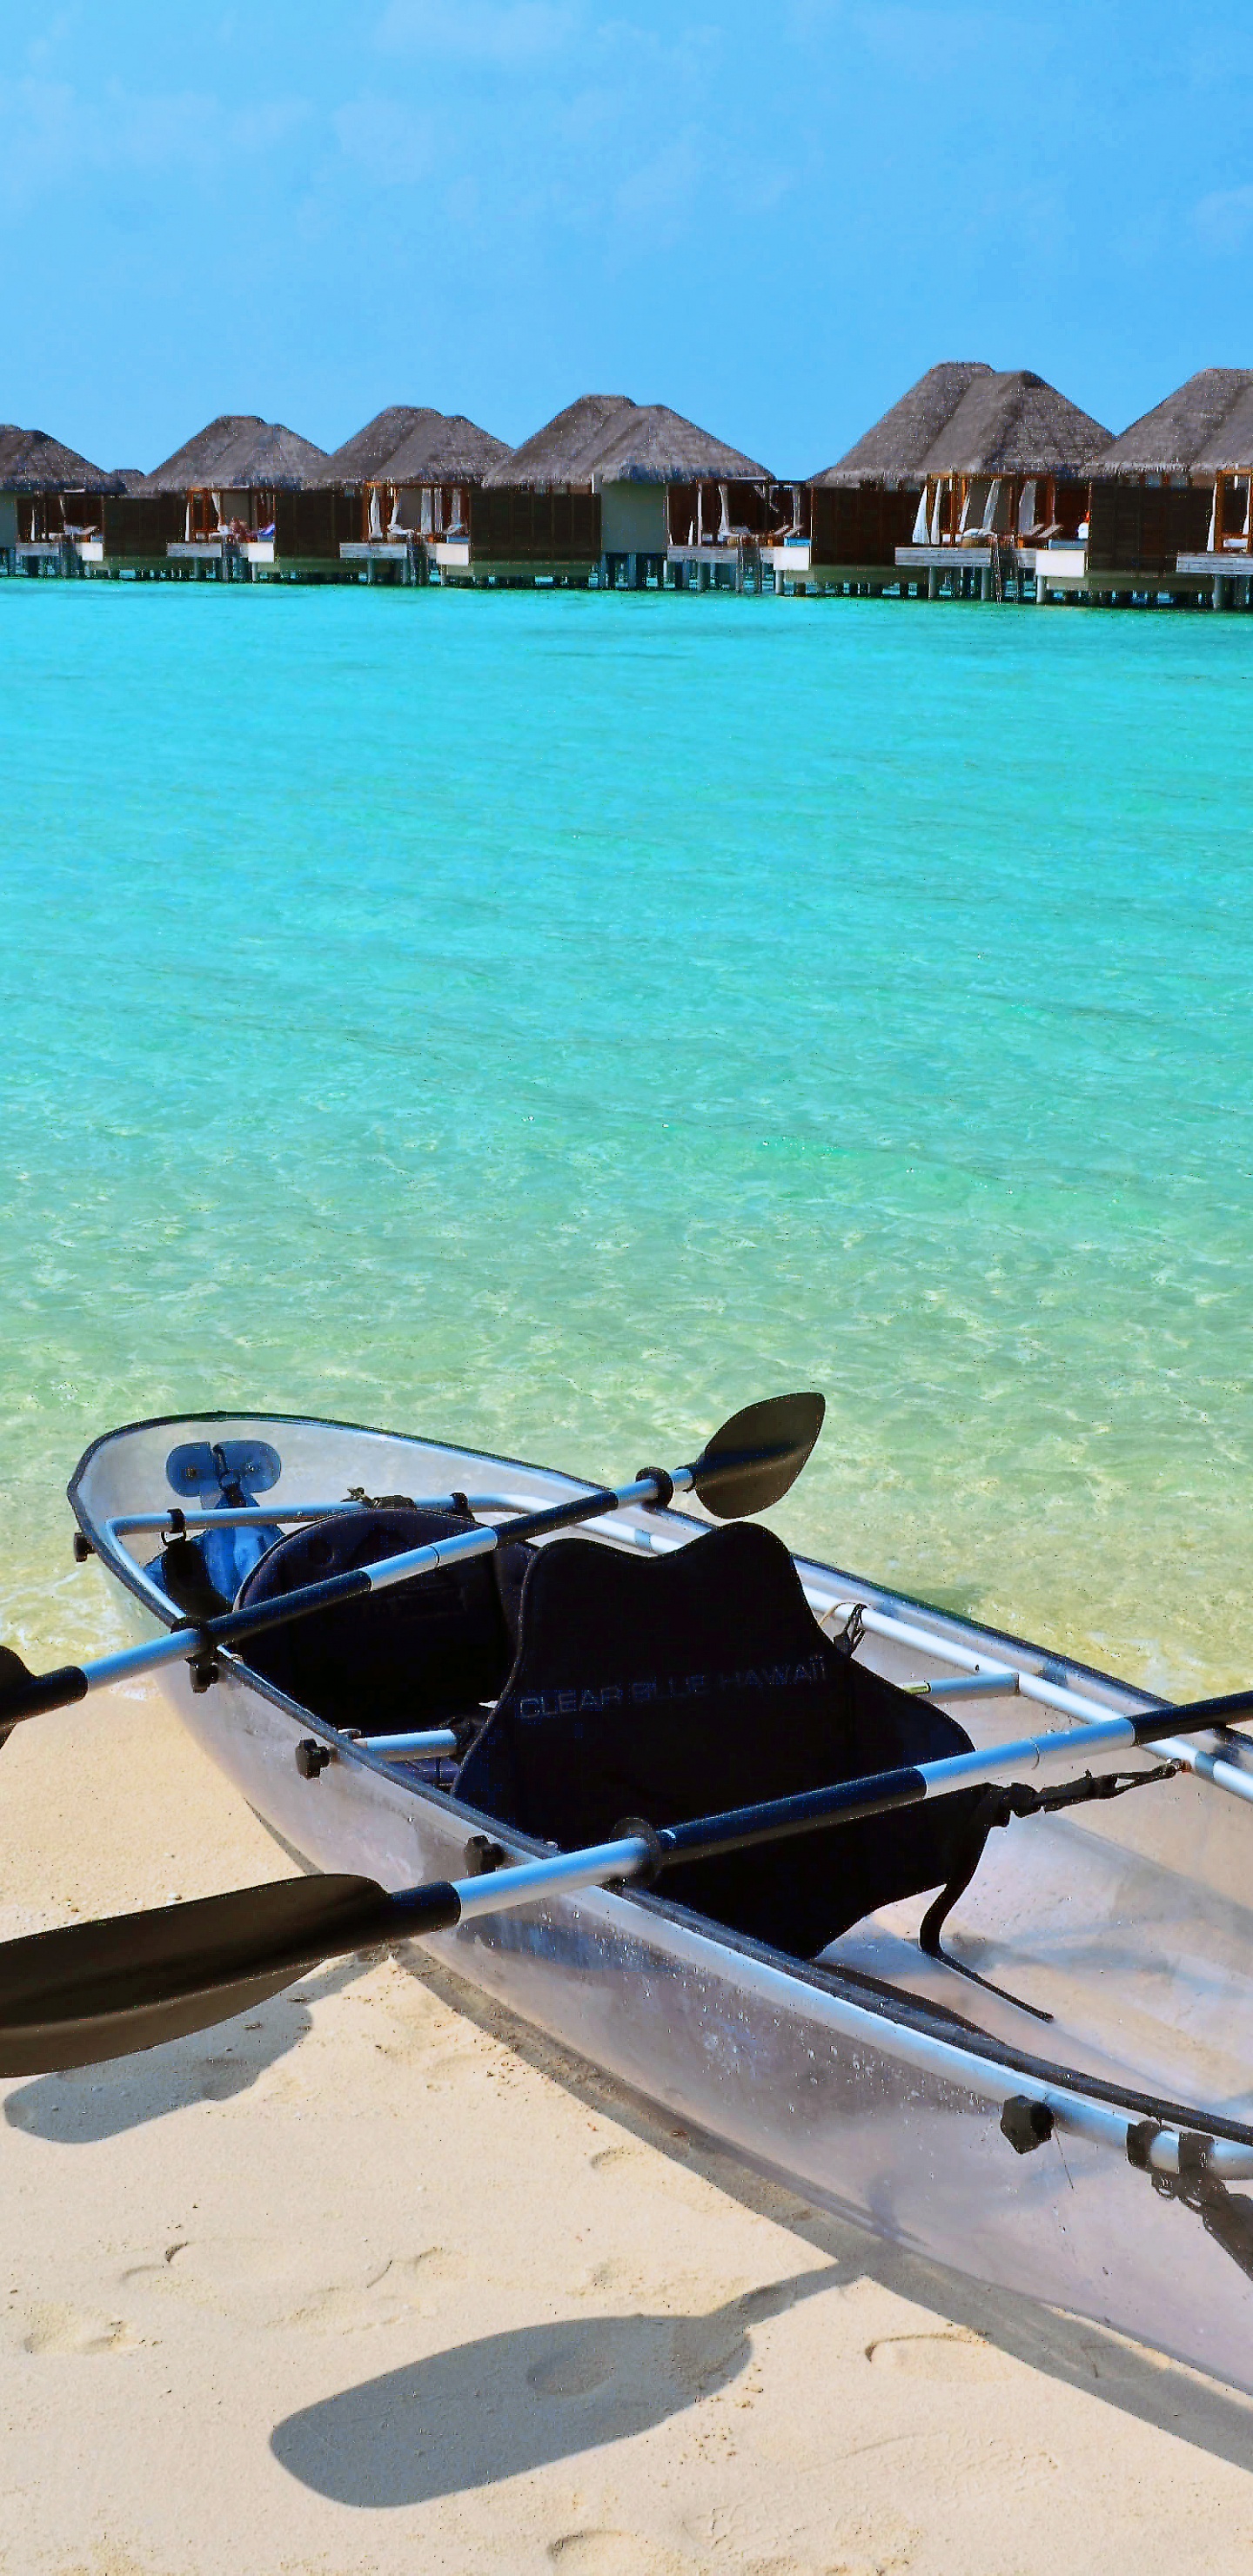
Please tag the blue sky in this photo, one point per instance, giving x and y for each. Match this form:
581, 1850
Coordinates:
773, 218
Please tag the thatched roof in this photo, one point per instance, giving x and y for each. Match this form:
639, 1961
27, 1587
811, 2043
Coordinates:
240, 452
1013, 423
130, 478
31, 461
993, 422
447, 448
655, 445
893, 451
363, 457
1205, 427
568, 449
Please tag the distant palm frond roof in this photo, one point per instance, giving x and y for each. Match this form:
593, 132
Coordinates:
31, 461
446, 448
1205, 427
240, 452
130, 478
893, 451
363, 457
656, 445
566, 450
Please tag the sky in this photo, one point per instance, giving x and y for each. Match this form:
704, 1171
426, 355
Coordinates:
773, 218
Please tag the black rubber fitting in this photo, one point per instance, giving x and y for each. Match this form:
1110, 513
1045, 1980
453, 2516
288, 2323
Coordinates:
82, 1547
482, 1855
311, 1757
664, 1495
638, 1830
1140, 2139
1026, 2123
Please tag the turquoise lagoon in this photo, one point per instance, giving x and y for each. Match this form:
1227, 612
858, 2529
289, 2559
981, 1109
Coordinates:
552, 1020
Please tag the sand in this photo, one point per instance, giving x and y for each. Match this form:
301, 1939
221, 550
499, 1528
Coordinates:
377, 2281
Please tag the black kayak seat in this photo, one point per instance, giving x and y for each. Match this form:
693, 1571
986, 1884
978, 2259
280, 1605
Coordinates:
683, 1685
431, 1650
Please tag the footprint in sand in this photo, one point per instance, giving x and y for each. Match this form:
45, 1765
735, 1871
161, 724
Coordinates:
401, 2289
614, 2553
606, 2158
58, 2329
950, 2357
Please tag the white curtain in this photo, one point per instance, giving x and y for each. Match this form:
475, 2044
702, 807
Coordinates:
935, 515
216, 498
376, 522
919, 537
700, 514
187, 527
1213, 518
724, 523
426, 509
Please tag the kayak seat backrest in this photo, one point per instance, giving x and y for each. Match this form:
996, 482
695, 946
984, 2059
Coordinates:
391, 1661
679, 1686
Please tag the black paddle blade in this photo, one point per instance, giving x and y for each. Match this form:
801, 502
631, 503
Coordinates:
755, 1457
15, 1676
96, 1990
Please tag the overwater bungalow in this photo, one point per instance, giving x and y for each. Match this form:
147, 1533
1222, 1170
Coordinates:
1007, 479
1171, 506
414, 497
849, 521
614, 490
51, 500
245, 495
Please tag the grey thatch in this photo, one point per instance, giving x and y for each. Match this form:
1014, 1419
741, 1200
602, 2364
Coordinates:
568, 450
655, 445
446, 448
972, 419
1204, 428
130, 478
31, 461
1014, 423
365, 457
892, 452
240, 452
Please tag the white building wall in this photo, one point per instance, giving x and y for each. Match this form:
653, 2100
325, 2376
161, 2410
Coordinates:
633, 518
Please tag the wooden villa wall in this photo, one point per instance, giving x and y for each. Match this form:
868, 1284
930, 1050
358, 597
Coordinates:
314, 524
1144, 527
512, 525
861, 525
143, 524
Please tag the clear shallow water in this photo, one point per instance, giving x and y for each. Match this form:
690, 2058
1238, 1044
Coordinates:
553, 1020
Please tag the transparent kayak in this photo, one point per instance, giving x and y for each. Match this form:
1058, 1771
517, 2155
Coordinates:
1073, 2121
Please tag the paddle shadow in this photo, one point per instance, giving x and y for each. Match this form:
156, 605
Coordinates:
513, 2402
91, 2103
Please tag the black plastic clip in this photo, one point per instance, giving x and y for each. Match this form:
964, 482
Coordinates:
175, 1528
664, 1495
204, 1670
483, 1855
82, 1547
312, 1757
1141, 2138
1026, 2123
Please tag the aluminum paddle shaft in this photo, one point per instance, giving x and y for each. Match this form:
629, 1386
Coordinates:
747, 1465
97, 1990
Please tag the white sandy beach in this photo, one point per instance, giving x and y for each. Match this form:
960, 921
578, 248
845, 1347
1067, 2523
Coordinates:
374, 2283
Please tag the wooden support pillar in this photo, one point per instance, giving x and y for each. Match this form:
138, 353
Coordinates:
933, 581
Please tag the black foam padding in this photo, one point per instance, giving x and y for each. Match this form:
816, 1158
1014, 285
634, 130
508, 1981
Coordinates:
391, 1661
684, 1685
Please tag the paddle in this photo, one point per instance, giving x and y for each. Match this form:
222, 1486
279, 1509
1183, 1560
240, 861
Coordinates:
92, 1991
748, 1464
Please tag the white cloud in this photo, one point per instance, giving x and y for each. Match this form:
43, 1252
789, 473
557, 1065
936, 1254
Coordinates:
394, 144
477, 30
1224, 221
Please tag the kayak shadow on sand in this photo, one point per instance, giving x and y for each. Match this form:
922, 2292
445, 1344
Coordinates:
512, 2402
90, 2103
